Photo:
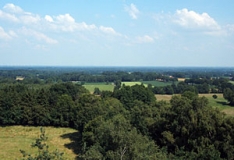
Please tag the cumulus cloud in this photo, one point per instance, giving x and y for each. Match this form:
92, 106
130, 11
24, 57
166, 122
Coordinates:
193, 20
4, 35
65, 18
132, 11
37, 35
16, 14
49, 18
9, 17
145, 39
33, 25
109, 30
30, 19
12, 8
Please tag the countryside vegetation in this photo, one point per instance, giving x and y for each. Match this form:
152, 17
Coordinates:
116, 113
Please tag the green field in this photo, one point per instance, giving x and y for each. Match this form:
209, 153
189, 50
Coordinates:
101, 86
158, 84
14, 138
110, 87
154, 83
232, 82
219, 103
132, 83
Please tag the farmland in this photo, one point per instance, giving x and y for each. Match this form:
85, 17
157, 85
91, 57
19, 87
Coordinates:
18, 138
101, 86
219, 103
110, 86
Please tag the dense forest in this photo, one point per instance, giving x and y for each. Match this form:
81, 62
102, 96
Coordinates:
128, 122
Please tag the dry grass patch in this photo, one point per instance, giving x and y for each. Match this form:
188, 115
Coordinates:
163, 97
181, 79
14, 138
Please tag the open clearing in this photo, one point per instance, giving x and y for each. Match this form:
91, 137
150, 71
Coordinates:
181, 79
14, 138
110, 87
131, 83
219, 103
101, 86
158, 83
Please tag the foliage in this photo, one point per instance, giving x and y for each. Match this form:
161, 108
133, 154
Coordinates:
43, 150
116, 139
127, 123
215, 96
228, 94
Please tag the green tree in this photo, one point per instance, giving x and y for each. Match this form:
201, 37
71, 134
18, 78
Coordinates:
115, 138
43, 150
228, 94
97, 91
215, 96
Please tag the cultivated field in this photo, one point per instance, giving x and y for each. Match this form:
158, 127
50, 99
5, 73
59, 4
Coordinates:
14, 138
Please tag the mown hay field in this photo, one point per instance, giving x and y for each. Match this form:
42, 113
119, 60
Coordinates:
16, 138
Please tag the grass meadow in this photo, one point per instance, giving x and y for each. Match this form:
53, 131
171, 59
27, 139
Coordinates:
158, 84
101, 86
219, 103
16, 138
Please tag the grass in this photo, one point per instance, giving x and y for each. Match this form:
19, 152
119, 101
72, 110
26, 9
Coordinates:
131, 83
219, 103
154, 83
232, 82
158, 84
110, 87
14, 138
181, 79
101, 86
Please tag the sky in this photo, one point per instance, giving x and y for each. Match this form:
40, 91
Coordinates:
117, 33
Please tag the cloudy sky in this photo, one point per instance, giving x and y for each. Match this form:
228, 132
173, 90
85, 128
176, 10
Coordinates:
116, 33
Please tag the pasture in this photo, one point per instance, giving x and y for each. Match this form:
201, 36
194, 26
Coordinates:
16, 138
110, 87
232, 82
101, 86
158, 83
132, 83
219, 103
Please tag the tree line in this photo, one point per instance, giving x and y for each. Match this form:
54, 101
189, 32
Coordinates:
128, 123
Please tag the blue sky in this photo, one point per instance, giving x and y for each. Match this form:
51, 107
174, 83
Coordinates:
116, 33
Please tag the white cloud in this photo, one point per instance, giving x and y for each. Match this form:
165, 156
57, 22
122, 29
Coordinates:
109, 30
193, 20
30, 19
230, 28
37, 35
145, 39
13, 34
49, 18
9, 17
4, 35
65, 18
12, 8
132, 11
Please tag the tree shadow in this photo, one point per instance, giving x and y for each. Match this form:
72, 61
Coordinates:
75, 144
223, 103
